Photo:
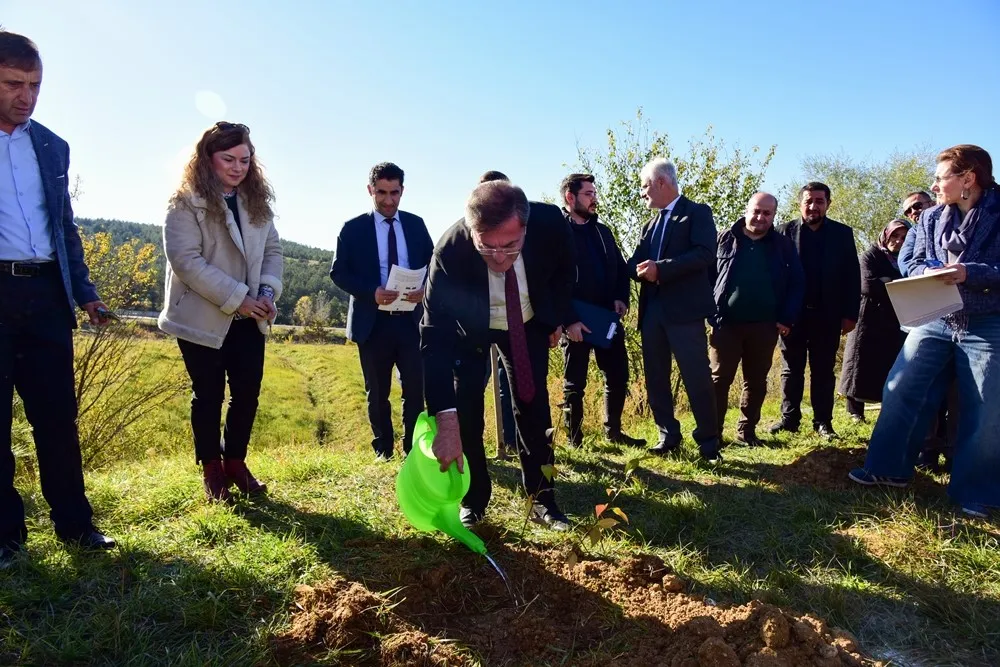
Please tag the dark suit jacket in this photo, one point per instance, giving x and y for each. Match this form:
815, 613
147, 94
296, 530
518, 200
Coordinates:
457, 298
356, 267
841, 272
683, 291
53, 163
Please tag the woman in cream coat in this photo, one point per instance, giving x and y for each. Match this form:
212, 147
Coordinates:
224, 266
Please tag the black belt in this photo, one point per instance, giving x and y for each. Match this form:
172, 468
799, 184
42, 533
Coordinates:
29, 269
394, 313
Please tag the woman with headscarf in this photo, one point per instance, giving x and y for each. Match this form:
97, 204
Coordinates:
957, 242
873, 345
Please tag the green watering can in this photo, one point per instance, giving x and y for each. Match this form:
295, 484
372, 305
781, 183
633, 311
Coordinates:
428, 497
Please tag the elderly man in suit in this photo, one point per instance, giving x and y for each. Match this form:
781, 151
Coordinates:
367, 248
501, 275
830, 310
674, 264
42, 274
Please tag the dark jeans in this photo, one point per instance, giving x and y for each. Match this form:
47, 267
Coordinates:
753, 345
613, 362
533, 420
241, 360
816, 338
855, 407
394, 341
36, 359
686, 342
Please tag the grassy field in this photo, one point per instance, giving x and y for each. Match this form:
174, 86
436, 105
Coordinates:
194, 583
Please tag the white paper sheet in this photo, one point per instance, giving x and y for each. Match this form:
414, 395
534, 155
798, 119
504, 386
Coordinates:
922, 299
403, 281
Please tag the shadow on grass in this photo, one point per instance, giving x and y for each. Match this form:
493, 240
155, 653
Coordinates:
794, 545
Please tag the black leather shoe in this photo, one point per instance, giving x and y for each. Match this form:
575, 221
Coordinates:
551, 517
749, 440
711, 457
782, 425
469, 518
825, 429
620, 438
665, 447
92, 540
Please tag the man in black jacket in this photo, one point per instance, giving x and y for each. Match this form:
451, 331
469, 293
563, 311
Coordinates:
674, 263
602, 281
831, 303
502, 275
758, 294
367, 248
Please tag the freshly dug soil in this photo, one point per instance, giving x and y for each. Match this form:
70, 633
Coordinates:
459, 612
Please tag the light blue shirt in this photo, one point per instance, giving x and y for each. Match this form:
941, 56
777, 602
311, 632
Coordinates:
24, 219
382, 238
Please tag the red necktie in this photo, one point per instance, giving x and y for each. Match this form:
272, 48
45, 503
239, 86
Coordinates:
518, 340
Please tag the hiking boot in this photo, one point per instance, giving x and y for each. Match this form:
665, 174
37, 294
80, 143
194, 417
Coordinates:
215, 480
469, 517
865, 478
240, 475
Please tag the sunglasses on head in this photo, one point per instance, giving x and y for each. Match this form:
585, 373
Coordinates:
225, 126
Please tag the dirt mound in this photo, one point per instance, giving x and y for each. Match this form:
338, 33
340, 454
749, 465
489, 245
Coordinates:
592, 613
827, 468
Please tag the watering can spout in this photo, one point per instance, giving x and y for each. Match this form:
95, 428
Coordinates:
428, 497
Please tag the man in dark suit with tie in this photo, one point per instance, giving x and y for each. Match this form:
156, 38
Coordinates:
674, 263
42, 274
367, 248
501, 275
830, 310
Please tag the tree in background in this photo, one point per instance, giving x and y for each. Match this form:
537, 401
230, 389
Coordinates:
313, 313
865, 195
707, 172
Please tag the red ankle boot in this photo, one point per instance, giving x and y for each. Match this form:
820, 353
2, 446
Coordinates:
216, 483
240, 475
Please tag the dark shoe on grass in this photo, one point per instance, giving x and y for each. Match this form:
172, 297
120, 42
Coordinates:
865, 478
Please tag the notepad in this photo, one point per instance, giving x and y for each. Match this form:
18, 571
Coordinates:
921, 299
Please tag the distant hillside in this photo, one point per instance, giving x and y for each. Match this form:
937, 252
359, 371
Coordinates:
307, 269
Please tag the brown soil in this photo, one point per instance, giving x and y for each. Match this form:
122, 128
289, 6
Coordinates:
827, 469
590, 613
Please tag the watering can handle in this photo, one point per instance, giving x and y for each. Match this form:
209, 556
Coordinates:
455, 477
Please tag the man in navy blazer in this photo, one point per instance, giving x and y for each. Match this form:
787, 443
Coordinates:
42, 274
367, 248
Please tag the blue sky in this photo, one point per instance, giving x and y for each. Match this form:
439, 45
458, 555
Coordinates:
448, 90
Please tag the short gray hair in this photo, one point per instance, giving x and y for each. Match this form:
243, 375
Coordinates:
492, 203
661, 167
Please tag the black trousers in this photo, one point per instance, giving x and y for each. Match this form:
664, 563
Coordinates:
687, 343
752, 344
815, 338
394, 341
533, 420
36, 359
613, 362
241, 361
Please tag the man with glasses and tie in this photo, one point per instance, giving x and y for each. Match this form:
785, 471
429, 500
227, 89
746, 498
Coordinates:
503, 276
674, 264
367, 248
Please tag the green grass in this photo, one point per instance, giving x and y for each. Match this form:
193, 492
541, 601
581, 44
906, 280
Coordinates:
194, 583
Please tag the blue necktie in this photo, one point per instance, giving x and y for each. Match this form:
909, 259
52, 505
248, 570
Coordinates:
657, 240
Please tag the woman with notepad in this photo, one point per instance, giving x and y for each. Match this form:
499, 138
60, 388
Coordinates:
960, 237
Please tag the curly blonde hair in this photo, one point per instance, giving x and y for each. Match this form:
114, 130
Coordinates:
199, 177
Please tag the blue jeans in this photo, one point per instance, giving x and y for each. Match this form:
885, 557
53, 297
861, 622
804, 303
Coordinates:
915, 387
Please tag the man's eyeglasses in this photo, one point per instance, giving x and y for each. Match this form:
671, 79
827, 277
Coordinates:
226, 126
503, 252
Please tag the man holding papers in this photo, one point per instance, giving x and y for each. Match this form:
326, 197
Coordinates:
380, 261
600, 298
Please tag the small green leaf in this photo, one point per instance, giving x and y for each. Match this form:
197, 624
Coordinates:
607, 523
572, 559
594, 535
610, 492
549, 471
619, 512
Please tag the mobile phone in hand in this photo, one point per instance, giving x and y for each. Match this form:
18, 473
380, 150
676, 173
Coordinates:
106, 314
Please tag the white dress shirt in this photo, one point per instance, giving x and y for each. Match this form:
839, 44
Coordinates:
498, 296
382, 237
25, 235
665, 216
